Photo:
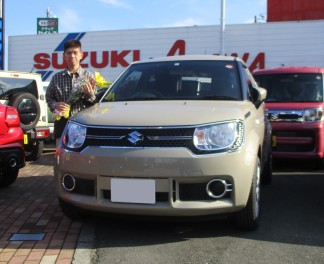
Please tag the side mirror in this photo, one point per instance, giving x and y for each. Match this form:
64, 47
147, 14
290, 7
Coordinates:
258, 94
262, 94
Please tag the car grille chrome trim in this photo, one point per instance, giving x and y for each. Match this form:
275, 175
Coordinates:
285, 115
105, 137
149, 137
169, 137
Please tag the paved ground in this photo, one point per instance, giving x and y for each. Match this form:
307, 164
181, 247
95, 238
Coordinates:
29, 208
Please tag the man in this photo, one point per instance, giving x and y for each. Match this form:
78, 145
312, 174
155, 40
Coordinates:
58, 93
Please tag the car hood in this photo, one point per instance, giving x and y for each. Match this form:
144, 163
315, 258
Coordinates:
162, 113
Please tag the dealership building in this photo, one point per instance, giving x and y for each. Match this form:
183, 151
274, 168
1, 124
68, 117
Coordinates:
293, 35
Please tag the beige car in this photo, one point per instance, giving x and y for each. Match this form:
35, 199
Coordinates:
179, 136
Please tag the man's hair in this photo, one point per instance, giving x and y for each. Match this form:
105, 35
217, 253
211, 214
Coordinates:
73, 43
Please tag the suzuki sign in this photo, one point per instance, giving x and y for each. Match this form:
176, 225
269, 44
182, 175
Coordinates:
260, 45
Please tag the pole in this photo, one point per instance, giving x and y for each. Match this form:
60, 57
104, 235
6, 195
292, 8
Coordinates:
2, 35
222, 28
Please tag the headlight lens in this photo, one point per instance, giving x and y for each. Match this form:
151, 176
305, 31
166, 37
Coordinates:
312, 114
223, 136
75, 136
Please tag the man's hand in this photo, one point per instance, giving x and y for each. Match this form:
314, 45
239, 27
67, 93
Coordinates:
88, 88
62, 107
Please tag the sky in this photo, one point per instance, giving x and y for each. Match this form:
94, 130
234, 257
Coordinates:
97, 15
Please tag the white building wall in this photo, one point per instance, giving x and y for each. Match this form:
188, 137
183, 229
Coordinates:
283, 43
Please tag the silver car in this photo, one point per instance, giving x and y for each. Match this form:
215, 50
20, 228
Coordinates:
177, 136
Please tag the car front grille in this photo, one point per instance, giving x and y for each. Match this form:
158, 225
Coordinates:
185, 192
287, 146
291, 140
195, 192
157, 137
84, 187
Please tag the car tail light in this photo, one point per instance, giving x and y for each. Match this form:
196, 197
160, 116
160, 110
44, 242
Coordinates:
12, 117
42, 133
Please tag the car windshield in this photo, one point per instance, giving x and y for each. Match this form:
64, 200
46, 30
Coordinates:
177, 80
293, 87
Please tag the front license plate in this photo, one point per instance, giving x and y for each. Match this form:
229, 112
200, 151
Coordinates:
133, 191
25, 139
274, 141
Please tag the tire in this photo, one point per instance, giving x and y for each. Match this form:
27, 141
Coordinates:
248, 218
28, 109
8, 177
70, 210
34, 151
266, 177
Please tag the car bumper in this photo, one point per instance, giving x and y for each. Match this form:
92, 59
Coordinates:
39, 133
12, 157
179, 180
298, 140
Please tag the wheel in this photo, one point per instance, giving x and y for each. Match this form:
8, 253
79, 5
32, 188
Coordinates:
28, 109
248, 218
8, 177
266, 177
34, 151
70, 210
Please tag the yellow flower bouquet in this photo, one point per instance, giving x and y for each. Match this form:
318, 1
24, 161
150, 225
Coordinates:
77, 92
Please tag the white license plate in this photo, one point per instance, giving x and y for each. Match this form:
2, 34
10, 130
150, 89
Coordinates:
133, 191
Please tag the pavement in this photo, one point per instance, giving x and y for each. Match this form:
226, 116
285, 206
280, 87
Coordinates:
33, 229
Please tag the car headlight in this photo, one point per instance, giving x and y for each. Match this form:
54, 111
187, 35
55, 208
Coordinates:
74, 136
312, 114
226, 136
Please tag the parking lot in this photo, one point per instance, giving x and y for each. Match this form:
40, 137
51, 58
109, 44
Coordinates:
32, 227
34, 230
291, 229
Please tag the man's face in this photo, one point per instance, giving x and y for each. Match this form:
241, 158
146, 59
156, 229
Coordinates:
73, 57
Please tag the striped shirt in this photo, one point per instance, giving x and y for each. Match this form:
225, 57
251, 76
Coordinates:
60, 87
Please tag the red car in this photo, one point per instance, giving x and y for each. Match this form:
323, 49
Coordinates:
295, 109
12, 154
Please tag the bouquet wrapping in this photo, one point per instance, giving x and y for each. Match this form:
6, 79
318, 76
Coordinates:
77, 92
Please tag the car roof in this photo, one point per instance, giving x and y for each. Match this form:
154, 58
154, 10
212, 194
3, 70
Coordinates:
279, 70
191, 57
17, 73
